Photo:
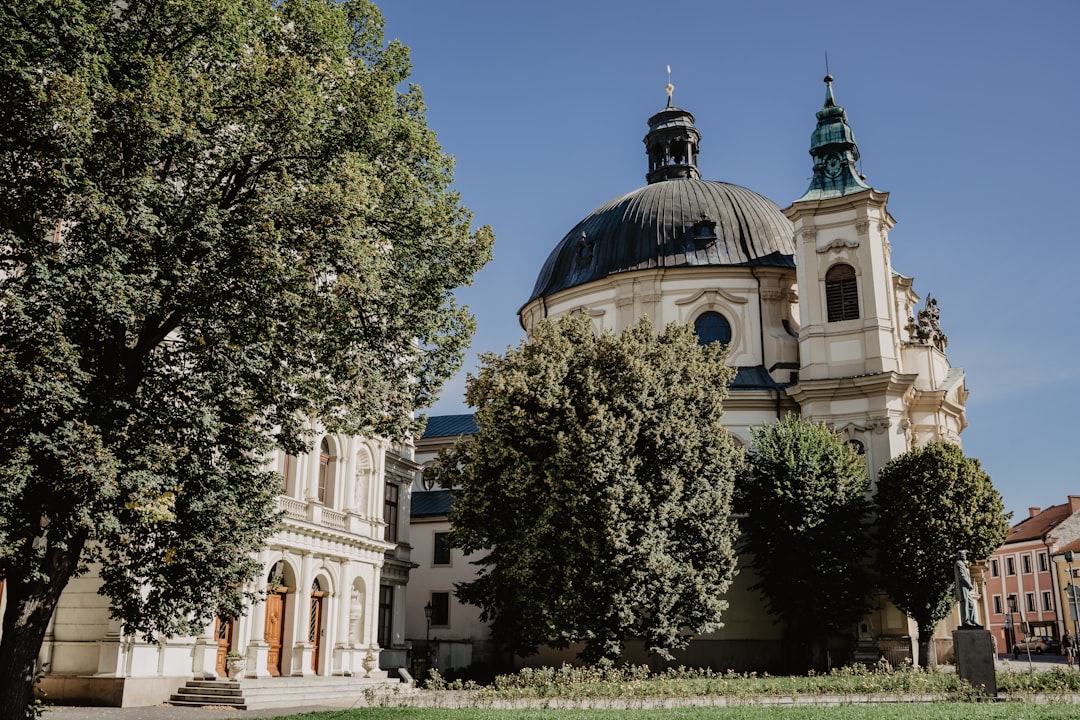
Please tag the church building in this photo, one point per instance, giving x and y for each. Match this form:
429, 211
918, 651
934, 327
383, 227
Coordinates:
817, 320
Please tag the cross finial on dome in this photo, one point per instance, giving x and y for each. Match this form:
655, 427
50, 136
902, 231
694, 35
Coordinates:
670, 88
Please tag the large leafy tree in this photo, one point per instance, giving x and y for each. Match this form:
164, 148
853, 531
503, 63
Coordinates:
932, 502
805, 512
219, 217
598, 488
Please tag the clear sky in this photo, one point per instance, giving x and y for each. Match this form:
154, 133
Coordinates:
965, 112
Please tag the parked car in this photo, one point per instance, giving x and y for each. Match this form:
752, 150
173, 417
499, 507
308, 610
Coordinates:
1037, 644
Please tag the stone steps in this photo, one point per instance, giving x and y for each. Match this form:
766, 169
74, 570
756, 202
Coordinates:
250, 694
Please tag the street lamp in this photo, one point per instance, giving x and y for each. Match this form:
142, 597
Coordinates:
427, 638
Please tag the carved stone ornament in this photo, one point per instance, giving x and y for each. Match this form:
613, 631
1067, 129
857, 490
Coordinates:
837, 244
862, 226
879, 425
808, 234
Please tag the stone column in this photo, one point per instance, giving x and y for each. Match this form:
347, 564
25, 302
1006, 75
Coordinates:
302, 649
258, 650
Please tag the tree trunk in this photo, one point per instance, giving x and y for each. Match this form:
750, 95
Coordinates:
30, 606
927, 650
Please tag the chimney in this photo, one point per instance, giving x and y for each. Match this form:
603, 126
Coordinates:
1033, 511
1074, 504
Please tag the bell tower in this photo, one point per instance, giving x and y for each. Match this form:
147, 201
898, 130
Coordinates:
850, 365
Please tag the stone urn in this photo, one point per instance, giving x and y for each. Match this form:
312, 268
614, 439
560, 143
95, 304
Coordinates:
369, 663
236, 664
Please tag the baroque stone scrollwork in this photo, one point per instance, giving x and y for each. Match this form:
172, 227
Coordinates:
808, 234
837, 244
878, 425
862, 226
927, 329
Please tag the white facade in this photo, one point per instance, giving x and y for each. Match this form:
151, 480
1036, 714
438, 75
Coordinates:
333, 580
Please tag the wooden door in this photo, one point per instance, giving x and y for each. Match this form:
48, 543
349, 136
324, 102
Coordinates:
274, 633
315, 625
223, 631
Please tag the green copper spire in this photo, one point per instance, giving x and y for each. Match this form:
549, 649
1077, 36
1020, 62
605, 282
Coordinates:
834, 151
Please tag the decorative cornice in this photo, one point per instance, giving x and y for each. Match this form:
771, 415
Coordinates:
712, 294
587, 311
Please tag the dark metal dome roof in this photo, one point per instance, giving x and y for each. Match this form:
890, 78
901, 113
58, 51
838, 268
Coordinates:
672, 223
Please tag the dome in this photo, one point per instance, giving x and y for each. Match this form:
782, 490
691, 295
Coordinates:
676, 222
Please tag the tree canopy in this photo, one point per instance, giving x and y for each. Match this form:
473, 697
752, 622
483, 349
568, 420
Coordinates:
598, 489
220, 217
805, 527
932, 502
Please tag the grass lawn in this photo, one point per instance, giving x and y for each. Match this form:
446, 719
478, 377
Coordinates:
892, 711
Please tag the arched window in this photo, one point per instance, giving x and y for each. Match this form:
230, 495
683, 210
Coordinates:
841, 293
712, 327
288, 474
324, 469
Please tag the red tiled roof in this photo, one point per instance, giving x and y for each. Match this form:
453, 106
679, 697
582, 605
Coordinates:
1074, 546
1037, 527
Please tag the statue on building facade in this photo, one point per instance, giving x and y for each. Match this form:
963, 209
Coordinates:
927, 329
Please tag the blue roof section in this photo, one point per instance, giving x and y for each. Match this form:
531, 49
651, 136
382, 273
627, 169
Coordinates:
449, 426
431, 503
754, 377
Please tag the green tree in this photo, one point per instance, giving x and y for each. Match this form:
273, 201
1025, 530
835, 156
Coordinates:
599, 486
931, 503
803, 497
219, 217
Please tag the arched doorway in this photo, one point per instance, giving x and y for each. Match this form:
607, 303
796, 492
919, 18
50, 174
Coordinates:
315, 619
274, 629
223, 633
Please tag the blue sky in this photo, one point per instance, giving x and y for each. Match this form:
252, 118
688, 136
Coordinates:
965, 112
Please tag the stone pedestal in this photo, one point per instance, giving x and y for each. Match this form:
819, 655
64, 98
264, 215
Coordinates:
975, 655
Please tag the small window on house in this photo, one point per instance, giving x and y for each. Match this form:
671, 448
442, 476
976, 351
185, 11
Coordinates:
995, 570
390, 513
386, 615
712, 327
1010, 566
1025, 563
997, 605
841, 293
441, 554
1029, 601
440, 609
1047, 601
1043, 567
